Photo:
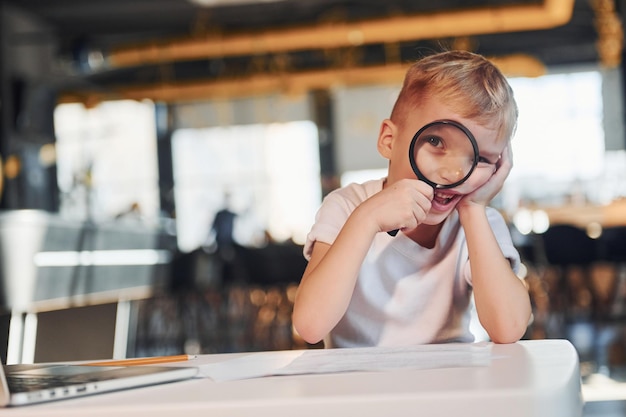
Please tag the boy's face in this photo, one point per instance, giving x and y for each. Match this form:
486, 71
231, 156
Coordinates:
489, 145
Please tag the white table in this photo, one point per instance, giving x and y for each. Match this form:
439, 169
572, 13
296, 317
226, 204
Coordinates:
529, 378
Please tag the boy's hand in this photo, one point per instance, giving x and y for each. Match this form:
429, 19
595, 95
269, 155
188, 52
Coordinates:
486, 192
401, 205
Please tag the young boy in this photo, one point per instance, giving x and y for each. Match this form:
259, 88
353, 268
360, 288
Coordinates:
364, 287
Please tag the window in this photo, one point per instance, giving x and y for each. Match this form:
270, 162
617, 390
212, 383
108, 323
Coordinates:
270, 174
107, 159
559, 144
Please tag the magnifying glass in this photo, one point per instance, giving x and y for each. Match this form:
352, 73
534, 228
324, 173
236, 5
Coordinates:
443, 154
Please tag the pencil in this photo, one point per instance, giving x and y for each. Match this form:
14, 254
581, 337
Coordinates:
143, 361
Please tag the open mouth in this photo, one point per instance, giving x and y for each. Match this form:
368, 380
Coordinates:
443, 199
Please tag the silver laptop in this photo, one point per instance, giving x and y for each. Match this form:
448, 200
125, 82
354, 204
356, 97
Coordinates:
30, 384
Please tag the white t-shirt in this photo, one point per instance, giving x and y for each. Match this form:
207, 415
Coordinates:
405, 293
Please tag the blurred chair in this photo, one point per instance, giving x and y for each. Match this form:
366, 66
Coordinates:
613, 245
568, 255
612, 252
612, 323
570, 252
566, 245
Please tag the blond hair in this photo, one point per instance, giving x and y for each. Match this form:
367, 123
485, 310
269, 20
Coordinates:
467, 83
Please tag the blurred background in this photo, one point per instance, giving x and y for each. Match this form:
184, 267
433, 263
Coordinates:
163, 160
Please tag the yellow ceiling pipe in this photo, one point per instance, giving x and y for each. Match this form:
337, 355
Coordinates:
484, 20
287, 83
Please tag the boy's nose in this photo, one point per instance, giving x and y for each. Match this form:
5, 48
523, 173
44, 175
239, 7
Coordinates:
450, 174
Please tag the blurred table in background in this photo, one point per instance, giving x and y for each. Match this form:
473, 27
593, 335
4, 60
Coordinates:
57, 274
582, 215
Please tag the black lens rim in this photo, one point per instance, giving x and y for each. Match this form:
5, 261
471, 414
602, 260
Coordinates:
421, 176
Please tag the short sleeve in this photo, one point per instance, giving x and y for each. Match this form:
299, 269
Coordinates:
329, 220
335, 210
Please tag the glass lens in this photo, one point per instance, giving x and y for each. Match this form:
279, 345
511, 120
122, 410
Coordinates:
444, 155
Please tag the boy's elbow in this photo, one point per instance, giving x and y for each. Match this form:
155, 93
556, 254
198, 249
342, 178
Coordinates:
508, 332
505, 338
305, 326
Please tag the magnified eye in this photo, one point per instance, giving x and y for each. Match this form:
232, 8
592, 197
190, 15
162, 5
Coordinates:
435, 141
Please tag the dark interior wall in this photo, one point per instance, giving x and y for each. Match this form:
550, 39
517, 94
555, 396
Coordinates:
27, 78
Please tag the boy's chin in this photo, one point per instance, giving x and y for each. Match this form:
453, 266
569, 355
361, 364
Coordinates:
433, 219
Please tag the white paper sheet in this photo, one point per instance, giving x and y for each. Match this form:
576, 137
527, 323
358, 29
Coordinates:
348, 360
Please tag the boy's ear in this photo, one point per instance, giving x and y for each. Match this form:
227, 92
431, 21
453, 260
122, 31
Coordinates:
386, 136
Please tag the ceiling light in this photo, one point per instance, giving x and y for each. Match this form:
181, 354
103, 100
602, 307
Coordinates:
215, 3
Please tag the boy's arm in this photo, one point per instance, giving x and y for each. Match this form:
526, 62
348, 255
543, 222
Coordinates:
502, 300
328, 282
